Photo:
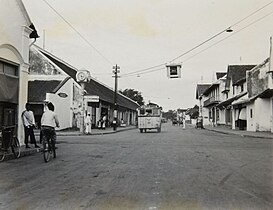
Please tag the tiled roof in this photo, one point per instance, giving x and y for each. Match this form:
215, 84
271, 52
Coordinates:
220, 74
37, 89
200, 89
94, 87
237, 72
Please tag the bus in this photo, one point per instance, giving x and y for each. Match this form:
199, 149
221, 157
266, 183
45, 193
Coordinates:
149, 117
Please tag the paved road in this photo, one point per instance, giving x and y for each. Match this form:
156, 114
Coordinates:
171, 170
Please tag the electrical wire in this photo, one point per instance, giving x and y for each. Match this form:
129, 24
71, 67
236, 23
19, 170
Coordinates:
204, 42
229, 36
136, 74
70, 25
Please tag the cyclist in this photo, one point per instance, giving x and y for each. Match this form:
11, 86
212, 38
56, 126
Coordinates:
48, 123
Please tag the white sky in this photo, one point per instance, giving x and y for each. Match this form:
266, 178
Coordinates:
138, 34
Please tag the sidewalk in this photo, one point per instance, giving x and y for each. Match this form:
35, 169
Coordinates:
226, 130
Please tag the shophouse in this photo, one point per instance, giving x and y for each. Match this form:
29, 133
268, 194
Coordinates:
214, 97
203, 111
16, 35
59, 78
235, 88
259, 103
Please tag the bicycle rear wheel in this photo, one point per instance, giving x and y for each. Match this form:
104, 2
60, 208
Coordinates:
46, 151
15, 147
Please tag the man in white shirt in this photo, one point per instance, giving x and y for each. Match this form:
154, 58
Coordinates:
48, 123
29, 124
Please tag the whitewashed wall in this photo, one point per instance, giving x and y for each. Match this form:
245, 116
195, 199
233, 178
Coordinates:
63, 106
14, 47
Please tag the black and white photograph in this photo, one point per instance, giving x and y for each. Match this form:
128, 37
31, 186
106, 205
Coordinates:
136, 105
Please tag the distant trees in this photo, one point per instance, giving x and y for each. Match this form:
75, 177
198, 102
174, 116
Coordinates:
134, 95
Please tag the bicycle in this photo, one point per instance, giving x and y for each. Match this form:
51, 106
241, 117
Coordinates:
49, 150
9, 140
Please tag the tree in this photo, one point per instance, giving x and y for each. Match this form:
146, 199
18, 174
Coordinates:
134, 95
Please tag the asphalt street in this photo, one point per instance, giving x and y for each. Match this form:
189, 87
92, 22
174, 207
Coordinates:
175, 169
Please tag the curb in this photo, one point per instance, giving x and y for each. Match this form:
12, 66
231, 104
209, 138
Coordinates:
93, 134
238, 134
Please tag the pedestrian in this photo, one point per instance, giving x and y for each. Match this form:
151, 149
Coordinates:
48, 123
29, 124
99, 124
104, 122
88, 124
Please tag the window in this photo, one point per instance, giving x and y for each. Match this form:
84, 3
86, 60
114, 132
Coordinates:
242, 88
1, 67
142, 111
251, 113
8, 69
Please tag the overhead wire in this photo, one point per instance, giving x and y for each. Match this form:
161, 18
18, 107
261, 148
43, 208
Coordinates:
228, 36
70, 25
202, 43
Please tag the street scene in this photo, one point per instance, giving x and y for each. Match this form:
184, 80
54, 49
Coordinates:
141, 104
175, 169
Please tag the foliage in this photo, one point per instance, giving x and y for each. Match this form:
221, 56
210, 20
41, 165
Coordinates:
39, 65
134, 95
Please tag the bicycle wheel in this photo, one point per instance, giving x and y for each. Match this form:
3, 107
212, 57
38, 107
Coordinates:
15, 147
46, 151
2, 155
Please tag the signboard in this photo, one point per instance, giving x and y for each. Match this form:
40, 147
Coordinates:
62, 95
92, 98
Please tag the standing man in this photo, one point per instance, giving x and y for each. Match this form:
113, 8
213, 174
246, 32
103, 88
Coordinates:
29, 124
88, 124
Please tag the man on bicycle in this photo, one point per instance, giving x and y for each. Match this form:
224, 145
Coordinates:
48, 123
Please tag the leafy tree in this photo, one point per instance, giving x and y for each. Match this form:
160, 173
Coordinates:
134, 95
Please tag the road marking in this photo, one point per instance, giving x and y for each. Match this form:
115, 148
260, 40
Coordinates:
152, 207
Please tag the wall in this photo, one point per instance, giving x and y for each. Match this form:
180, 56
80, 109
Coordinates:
263, 117
14, 47
63, 106
257, 79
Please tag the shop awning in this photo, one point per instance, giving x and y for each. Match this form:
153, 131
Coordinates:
228, 102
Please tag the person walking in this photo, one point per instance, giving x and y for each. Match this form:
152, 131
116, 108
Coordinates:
88, 124
104, 122
29, 124
48, 123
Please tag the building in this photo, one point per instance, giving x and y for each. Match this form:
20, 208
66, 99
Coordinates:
203, 111
259, 111
16, 33
61, 87
235, 88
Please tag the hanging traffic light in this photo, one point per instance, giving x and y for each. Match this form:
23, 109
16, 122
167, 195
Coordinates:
174, 70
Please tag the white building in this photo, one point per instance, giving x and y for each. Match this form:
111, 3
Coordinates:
15, 33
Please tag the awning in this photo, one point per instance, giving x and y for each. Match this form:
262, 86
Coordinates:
228, 102
268, 93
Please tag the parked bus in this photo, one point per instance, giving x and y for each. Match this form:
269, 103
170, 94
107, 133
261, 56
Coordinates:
149, 117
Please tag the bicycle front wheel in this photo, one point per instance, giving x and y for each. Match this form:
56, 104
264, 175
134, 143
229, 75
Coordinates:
15, 147
2, 155
46, 151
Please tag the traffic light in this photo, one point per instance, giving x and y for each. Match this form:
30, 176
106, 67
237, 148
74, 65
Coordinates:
174, 70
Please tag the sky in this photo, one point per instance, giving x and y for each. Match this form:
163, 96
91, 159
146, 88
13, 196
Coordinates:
139, 34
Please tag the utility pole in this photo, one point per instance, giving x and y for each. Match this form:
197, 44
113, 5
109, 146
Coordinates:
115, 71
